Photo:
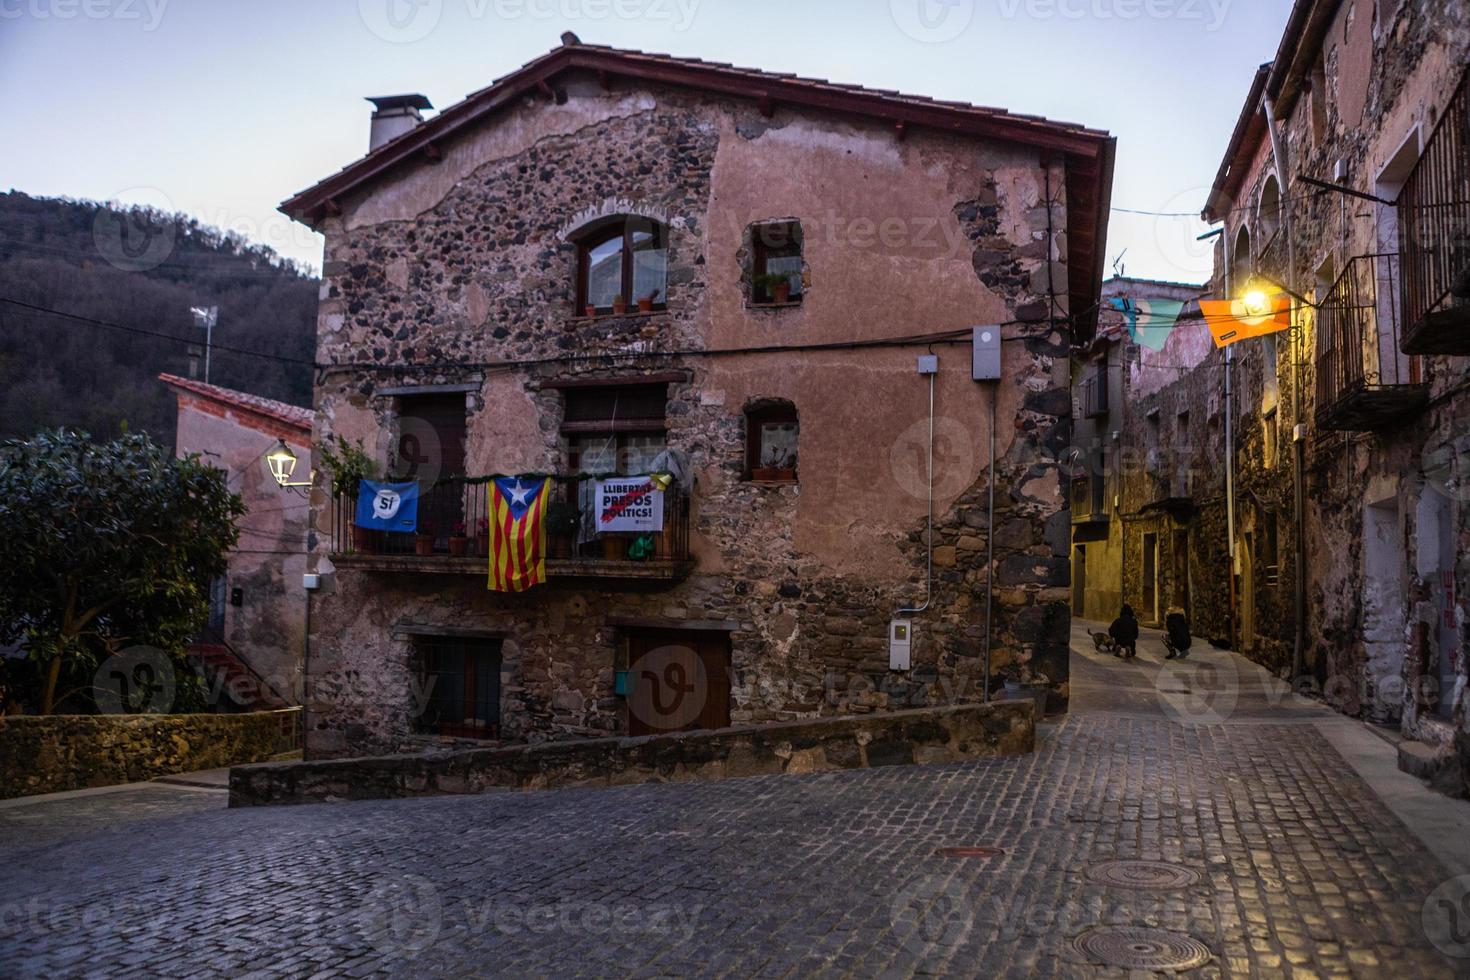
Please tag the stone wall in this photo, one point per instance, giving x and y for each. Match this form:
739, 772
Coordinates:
806, 577
53, 753
1383, 520
894, 739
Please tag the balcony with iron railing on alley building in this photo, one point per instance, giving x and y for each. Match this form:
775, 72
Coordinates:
1434, 237
453, 536
1364, 382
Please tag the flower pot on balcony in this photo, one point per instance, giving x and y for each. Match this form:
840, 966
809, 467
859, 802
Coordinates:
619, 306
364, 540
614, 547
645, 305
458, 545
781, 293
423, 545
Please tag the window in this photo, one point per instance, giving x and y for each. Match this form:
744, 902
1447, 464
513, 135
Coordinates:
1268, 438
776, 251
459, 687
1181, 430
1270, 212
625, 257
431, 448
1268, 547
615, 429
1241, 262
771, 431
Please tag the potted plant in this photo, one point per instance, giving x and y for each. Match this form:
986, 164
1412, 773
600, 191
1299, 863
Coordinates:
777, 465
349, 464
620, 304
590, 310
562, 520
423, 541
480, 543
458, 542
775, 285
645, 303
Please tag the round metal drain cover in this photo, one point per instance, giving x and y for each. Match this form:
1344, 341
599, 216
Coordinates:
969, 852
1142, 875
1135, 948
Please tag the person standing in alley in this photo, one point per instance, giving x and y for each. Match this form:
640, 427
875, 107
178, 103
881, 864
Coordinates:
1124, 632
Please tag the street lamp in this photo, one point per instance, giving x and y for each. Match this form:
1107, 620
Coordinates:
281, 462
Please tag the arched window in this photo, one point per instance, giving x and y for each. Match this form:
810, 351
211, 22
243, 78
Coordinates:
1270, 210
626, 256
1241, 260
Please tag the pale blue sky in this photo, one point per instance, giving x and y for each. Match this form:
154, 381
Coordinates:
223, 109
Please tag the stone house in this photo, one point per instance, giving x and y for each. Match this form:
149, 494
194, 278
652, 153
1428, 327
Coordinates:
1344, 185
1136, 458
255, 641
472, 323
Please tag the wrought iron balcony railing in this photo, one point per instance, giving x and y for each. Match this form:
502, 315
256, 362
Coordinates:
1364, 382
1434, 237
453, 535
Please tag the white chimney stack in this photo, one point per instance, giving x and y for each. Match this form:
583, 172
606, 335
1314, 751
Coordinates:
394, 115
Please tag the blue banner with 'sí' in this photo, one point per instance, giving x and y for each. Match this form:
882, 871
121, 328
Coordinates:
388, 506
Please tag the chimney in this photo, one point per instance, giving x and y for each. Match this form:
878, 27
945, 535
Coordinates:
394, 115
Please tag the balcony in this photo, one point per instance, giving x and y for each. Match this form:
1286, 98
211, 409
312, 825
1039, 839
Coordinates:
1434, 236
1364, 383
458, 504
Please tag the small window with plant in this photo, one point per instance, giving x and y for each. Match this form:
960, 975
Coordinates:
771, 442
777, 268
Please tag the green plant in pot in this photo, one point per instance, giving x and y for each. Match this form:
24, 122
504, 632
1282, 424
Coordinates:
775, 285
348, 464
620, 304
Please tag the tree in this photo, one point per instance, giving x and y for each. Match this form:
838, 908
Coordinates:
106, 544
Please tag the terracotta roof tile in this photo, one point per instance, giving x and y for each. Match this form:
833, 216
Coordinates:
292, 415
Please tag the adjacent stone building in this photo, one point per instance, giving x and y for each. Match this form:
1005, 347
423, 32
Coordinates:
1344, 186
1136, 456
255, 640
471, 323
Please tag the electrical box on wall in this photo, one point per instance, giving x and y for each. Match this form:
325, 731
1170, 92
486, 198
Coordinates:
986, 362
900, 644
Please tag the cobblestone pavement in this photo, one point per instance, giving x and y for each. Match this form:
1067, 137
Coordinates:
1293, 866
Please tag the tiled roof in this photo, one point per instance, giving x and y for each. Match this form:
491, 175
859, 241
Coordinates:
294, 416
712, 75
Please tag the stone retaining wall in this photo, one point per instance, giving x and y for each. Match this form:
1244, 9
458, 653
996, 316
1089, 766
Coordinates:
52, 753
901, 738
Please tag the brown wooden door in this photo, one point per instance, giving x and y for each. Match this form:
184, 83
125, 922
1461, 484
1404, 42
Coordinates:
678, 681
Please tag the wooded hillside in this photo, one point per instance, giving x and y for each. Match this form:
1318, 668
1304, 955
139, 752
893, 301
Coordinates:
141, 270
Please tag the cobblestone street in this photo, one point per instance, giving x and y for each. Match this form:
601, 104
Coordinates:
1282, 861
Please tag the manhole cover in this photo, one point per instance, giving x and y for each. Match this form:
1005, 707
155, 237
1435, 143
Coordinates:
1135, 948
1142, 875
969, 852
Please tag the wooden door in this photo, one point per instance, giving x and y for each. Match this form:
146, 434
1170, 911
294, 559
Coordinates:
678, 681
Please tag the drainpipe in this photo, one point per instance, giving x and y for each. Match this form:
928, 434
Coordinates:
1298, 444
930, 367
990, 537
1230, 443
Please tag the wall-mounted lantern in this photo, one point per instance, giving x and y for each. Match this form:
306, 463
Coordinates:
281, 462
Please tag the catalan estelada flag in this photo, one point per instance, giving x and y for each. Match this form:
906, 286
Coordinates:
1230, 322
517, 532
